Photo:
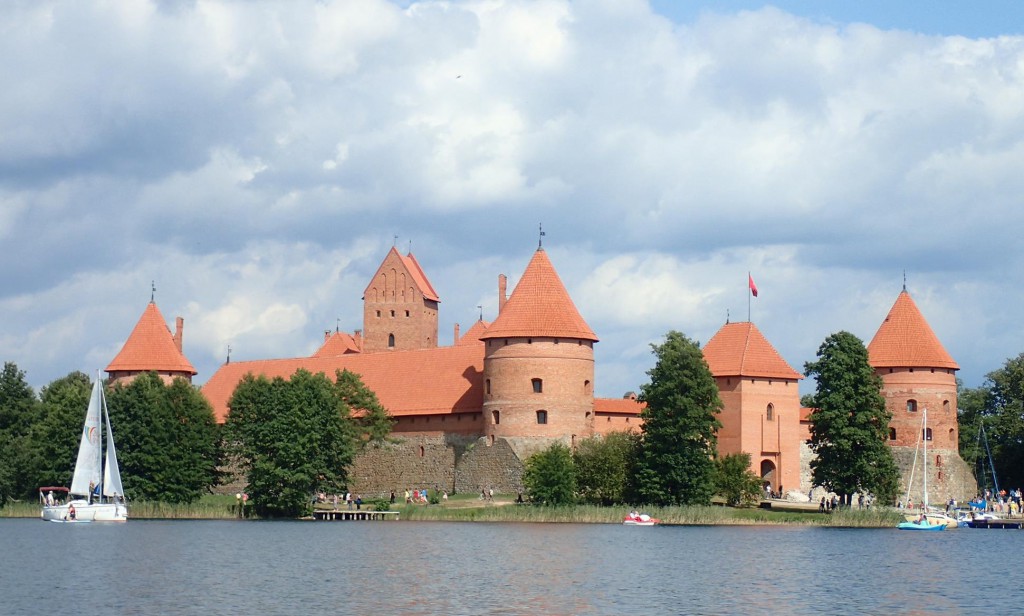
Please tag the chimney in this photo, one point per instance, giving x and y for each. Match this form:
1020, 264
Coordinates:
456, 339
179, 324
327, 335
357, 337
502, 284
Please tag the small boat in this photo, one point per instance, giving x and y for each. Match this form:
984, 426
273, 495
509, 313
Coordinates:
927, 520
96, 494
921, 523
639, 519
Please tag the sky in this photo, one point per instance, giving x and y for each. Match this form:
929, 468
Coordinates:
256, 161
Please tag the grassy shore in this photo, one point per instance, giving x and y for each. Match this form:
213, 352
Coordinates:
469, 508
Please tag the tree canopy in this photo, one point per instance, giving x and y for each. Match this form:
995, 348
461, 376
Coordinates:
19, 410
167, 439
998, 405
850, 423
550, 477
604, 466
294, 437
734, 480
676, 465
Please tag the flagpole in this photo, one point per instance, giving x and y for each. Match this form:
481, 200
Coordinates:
749, 292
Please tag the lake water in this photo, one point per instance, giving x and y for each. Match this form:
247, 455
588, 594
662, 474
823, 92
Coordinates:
383, 568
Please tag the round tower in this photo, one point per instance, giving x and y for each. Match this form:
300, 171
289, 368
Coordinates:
917, 374
538, 363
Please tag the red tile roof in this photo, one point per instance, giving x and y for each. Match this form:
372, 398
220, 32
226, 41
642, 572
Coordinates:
620, 406
540, 306
339, 343
419, 277
419, 382
739, 349
472, 336
150, 346
905, 340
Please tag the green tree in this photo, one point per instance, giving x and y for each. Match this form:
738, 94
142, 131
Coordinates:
167, 439
369, 415
294, 438
850, 423
675, 465
603, 467
56, 437
19, 411
1003, 417
735, 481
549, 476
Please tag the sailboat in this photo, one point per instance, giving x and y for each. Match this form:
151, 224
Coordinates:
96, 494
922, 522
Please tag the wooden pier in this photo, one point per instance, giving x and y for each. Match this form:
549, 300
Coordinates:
983, 523
337, 515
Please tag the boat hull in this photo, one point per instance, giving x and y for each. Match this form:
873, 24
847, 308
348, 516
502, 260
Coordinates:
920, 526
85, 512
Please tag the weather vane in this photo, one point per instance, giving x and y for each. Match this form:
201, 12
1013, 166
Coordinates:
152, 291
481, 311
540, 239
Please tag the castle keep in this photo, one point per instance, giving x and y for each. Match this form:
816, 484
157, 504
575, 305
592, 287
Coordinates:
468, 415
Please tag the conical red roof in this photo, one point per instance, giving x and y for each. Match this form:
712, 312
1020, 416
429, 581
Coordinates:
150, 346
540, 306
739, 349
905, 340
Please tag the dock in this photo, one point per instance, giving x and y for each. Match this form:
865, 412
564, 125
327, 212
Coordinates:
982, 523
346, 515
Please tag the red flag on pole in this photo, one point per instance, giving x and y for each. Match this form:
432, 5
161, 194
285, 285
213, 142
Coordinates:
750, 283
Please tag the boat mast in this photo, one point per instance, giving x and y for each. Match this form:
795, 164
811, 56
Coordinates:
924, 436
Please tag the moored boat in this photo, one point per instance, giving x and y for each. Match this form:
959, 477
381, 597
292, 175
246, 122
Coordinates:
95, 493
639, 519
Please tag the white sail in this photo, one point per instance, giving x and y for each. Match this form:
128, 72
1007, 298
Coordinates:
111, 471
89, 465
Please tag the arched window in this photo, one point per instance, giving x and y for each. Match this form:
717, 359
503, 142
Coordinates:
945, 406
391, 341
892, 434
911, 406
927, 434
770, 412
542, 417
496, 417
538, 385
952, 436
487, 386
938, 460
586, 387
421, 451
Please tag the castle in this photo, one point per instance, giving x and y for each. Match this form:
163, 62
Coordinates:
468, 415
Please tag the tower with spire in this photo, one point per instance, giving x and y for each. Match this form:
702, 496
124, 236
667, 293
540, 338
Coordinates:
761, 403
538, 362
152, 348
918, 373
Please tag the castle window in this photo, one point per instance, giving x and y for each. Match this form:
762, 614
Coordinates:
927, 434
938, 460
421, 451
496, 417
770, 412
892, 434
378, 314
586, 387
392, 314
487, 387
529, 341
538, 386
391, 341
952, 436
542, 417
407, 314
945, 406
911, 406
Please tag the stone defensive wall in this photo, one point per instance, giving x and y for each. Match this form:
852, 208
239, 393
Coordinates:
456, 463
